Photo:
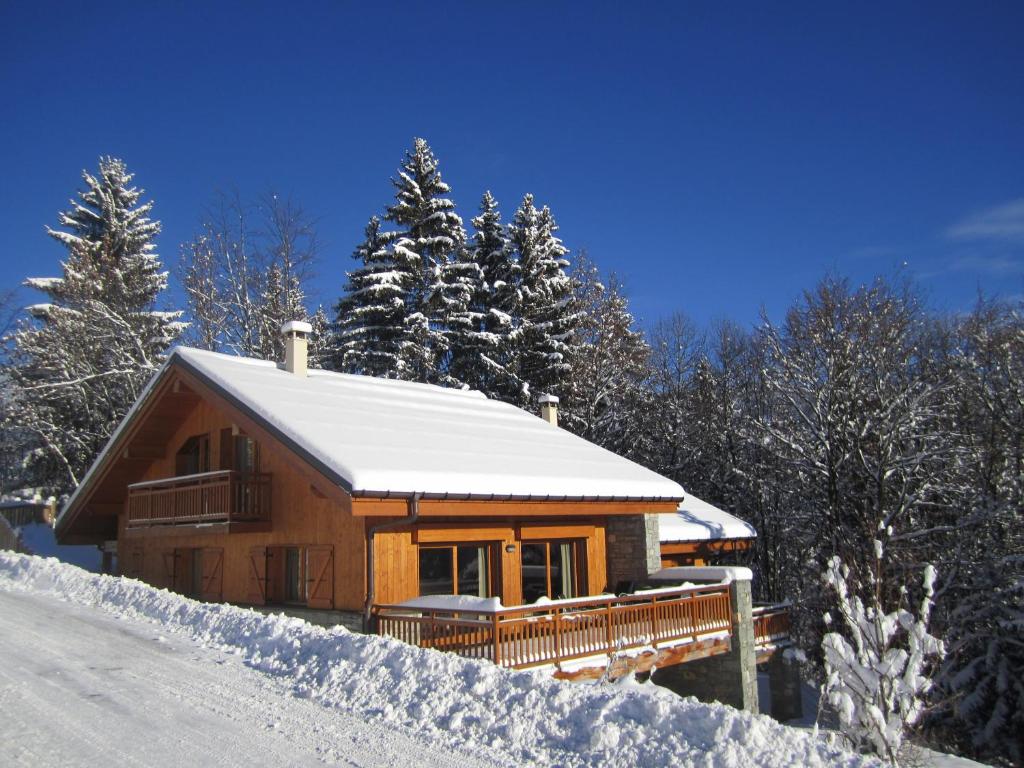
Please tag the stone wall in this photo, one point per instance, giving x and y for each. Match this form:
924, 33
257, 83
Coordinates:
633, 548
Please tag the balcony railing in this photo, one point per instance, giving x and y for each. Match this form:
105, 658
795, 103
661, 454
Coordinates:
211, 497
531, 636
771, 625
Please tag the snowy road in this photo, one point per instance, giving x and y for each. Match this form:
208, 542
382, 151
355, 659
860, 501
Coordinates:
79, 687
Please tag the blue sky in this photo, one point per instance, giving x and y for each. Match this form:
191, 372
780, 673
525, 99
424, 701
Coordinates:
719, 156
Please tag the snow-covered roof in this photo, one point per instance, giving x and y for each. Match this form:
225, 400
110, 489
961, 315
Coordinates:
696, 520
380, 436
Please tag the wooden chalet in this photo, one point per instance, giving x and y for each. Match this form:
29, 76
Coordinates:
341, 498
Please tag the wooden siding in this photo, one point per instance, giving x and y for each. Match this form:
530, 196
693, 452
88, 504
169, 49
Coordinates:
301, 516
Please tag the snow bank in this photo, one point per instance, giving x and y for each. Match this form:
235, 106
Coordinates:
521, 717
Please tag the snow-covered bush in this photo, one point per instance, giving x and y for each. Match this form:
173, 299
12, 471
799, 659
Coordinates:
875, 663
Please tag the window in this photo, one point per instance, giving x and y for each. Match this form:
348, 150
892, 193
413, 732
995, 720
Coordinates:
553, 569
456, 570
193, 457
293, 585
247, 454
239, 452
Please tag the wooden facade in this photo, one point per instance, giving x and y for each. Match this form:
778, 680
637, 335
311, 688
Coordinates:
204, 499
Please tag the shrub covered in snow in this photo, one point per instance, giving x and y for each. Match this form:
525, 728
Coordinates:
875, 664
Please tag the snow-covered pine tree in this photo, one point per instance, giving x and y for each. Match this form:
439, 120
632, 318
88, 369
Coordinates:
81, 359
372, 329
541, 339
477, 336
876, 660
429, 236
321, 344
610, 364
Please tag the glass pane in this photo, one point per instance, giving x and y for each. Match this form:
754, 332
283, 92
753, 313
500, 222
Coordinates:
563, 570
245, 454
197, 572
535, 575
473, 575
436, 576
292, 576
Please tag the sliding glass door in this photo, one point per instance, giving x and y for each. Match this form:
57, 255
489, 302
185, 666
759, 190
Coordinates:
553, 569
455, 570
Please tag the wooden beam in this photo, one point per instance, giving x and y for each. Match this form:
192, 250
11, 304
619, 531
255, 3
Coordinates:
149, 451
377, 507
649, 660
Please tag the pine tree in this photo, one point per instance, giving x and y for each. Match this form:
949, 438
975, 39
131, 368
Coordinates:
81, 359
540, 340
610, 364
372, 331
428, 239
487, 271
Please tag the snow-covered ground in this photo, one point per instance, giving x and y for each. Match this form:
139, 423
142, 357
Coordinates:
108, 670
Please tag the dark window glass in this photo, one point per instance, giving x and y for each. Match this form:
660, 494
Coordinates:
436, 577
551, 569
193, 457
247, 455
293, 586
535, 571
196, 587
474, 578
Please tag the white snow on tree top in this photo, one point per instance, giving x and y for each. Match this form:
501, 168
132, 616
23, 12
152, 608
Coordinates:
697, 520
386, 436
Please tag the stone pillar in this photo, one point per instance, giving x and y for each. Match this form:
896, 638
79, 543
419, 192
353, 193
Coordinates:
729, 678
742, 659
784, 679
633, 548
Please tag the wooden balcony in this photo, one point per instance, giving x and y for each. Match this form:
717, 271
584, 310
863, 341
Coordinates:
211, 497
771, 629
567, 630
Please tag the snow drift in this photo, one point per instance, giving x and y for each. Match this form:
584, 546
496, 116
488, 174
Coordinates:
519, 717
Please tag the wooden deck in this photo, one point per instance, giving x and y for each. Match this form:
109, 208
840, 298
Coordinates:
567, 630
211, 497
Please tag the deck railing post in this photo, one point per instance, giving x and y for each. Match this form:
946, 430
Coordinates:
557, 618
654, 622
496, 634
611, 631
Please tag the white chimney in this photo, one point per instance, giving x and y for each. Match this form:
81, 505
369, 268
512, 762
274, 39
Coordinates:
549, 409
295, 333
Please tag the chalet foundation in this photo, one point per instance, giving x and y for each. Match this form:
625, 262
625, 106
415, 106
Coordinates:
729, 678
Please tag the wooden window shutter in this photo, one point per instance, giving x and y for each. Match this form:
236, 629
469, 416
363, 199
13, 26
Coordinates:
213, 574
320, 577
133, 564
257, 593
227, 449
169, 562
